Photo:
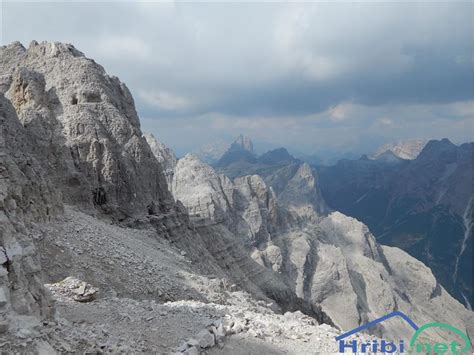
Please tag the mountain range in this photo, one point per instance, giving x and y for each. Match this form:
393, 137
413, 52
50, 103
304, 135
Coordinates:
423, 206
414, 195
109, 243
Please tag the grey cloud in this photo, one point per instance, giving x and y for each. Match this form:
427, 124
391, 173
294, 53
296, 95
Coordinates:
184, 61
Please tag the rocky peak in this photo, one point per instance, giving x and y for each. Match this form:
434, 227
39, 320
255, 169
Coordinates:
302, 195
201, 190
246, 206
241, 151
84, 121
243, 142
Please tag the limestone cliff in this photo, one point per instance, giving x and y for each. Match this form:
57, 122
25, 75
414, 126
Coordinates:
27, 197
330, 260
84, 126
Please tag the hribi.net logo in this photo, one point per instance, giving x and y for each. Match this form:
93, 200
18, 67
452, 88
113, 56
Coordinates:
459, 345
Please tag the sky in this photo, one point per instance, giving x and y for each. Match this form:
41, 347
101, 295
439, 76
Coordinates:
315, 76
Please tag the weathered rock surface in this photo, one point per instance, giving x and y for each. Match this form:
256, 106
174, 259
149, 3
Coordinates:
244, 205
84, 126
329, 259
26, 197
73, 289
164, 155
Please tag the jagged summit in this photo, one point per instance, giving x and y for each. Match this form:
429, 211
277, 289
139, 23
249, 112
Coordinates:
62, 96
51, 49
243, 142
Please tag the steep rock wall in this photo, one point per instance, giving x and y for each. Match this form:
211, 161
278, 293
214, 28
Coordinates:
26, 197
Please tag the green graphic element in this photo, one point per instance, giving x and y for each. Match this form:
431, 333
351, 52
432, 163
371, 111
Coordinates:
439, 348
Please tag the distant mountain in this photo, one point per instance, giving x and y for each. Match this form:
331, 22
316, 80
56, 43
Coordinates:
326, 157
423, 206
240, 151
244, 143
277, 156
408, 149
239, 161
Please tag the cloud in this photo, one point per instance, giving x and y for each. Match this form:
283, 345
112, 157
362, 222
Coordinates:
341, 111
315, 73
125, 47
165, 100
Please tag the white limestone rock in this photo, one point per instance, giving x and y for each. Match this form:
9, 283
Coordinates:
245, 205
164, 155
327, 258
27, 196
84, 125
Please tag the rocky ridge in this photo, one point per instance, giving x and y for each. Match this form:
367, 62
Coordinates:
84, 125
328, 259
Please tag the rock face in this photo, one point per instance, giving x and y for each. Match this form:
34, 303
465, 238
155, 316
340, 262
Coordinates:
244, 142
328, 259
244, 205
423, 206
302, 196
84, 123
408, 149
26, 197
164, 155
